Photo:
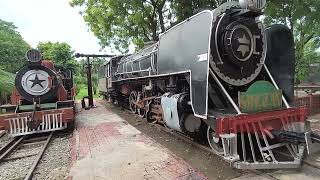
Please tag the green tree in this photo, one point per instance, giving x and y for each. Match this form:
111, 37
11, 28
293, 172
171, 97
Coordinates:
118, 22
303, 18
12, 47
60, 53
186, 8
6, 86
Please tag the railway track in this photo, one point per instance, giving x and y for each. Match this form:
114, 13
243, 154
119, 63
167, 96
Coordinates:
12, 151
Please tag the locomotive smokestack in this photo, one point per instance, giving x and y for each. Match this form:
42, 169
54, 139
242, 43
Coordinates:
33, 56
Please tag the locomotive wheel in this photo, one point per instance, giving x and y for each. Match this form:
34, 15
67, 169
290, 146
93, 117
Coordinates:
141, 111
214, 142
132, 99
149, 113
109, 99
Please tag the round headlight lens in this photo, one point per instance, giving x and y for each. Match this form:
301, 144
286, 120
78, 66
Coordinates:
254, 5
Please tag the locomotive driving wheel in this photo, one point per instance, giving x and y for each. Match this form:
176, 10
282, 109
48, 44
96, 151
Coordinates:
109, 98
141, 110
132, 101
214, 141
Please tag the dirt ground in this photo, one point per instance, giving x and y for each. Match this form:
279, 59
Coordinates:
209, 164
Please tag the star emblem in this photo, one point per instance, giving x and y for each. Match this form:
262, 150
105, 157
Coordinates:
244, 45
36, 81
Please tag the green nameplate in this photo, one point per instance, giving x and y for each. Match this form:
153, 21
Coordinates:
261, 96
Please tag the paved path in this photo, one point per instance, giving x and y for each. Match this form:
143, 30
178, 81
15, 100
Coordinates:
105, 146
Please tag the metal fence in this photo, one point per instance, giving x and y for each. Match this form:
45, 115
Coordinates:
312, 102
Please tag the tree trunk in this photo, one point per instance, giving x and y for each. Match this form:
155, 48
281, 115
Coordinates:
160, 13
161, 20
154, 31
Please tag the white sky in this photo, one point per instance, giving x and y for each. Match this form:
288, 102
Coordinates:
50, 20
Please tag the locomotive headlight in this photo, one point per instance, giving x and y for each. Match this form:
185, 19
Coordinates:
33, 56
253, 5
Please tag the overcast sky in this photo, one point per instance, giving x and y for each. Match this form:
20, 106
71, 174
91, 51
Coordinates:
50, 20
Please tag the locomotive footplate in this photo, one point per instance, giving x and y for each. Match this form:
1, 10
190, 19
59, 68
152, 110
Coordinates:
265, 140
29, 122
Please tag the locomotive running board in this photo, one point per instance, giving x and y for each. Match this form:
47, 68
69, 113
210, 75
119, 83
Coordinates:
50, 122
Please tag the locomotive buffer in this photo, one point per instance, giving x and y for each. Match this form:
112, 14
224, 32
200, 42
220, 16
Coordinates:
89, 79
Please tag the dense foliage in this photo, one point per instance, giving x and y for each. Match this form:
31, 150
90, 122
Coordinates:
6, 86
186, 8
60, 53
303, 18
118, 23
12, 47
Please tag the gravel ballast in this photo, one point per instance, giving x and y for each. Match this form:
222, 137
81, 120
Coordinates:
54, 163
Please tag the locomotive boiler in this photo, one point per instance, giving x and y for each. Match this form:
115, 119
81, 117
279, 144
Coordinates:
42, 100
222, 75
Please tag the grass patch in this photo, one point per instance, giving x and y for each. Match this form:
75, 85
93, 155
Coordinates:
83, 91
6, 85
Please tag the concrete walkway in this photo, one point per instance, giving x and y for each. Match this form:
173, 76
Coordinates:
104, 146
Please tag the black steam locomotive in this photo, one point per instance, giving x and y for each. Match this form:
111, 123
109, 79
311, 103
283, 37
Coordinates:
221, 74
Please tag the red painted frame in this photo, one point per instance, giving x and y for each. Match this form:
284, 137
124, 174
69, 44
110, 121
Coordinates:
68, 115
260, 122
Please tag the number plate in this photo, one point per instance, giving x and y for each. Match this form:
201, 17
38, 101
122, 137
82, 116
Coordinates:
261, 96
261, 102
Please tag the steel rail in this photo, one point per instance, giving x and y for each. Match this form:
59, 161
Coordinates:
9, 147
6, 146
35, 163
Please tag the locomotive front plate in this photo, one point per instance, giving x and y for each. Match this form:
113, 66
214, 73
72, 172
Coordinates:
261, 96
36, 82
